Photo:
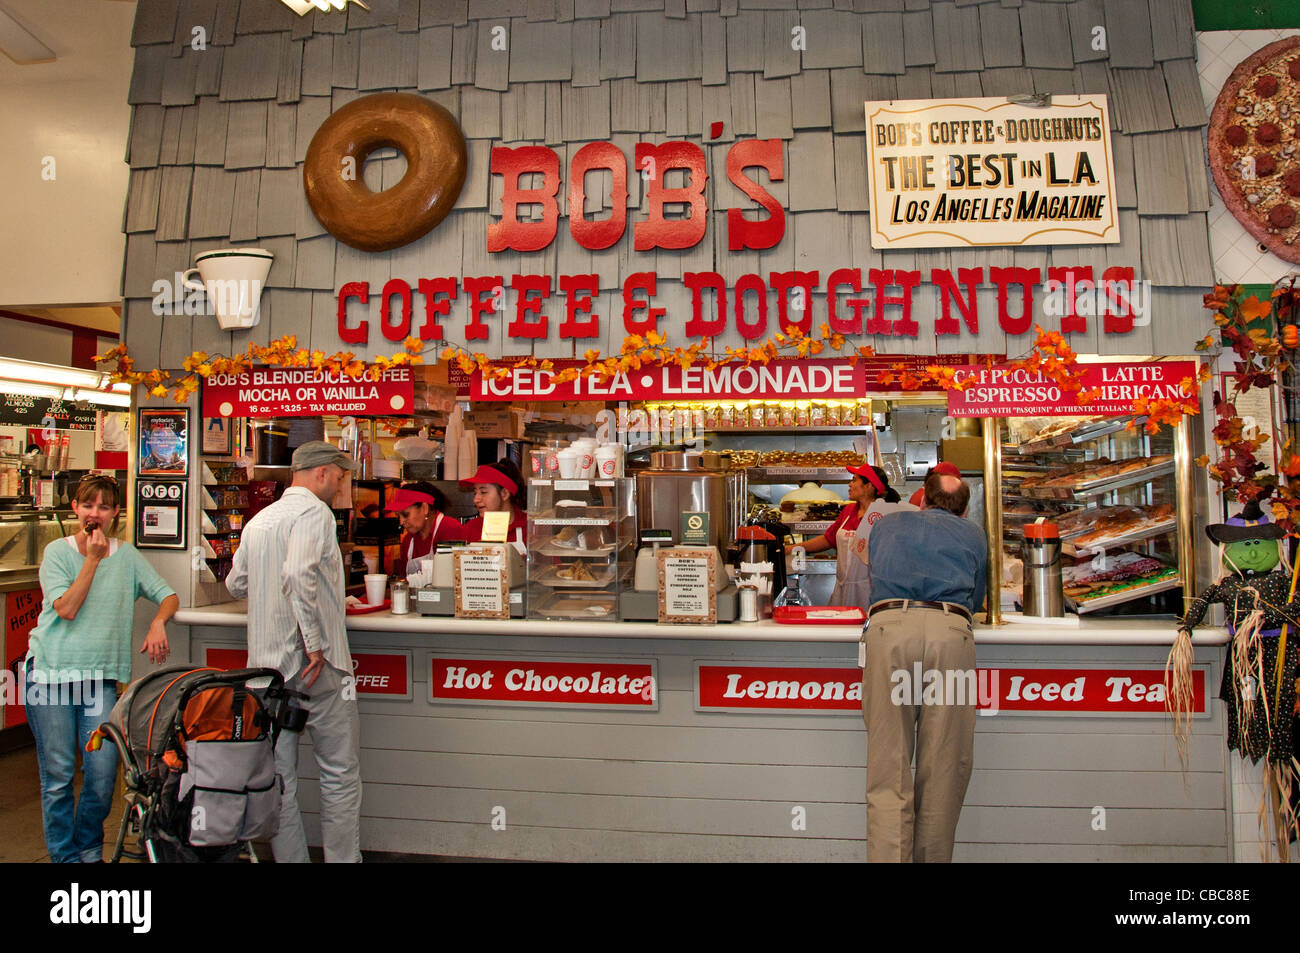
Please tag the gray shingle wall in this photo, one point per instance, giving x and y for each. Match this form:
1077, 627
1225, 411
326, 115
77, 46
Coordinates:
219, 135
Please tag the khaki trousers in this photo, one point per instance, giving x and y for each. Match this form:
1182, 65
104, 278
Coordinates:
917, 820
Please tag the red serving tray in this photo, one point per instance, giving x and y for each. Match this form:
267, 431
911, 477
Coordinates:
363, 609
806, 615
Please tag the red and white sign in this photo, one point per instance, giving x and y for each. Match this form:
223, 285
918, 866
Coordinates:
793, 689
22, 609
304, 392
589, 683
1002, 391
386, 674
780, 379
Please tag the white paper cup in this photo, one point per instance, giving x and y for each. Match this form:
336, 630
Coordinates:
609, 462
376, 583
569, 460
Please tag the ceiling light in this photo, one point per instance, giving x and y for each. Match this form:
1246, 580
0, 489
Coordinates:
56, 374
29, 389
303, 7
103, 398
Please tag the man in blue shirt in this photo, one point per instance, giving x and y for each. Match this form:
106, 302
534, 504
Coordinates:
928, 578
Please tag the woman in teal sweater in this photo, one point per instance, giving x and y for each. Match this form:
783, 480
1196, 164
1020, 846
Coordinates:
79, 650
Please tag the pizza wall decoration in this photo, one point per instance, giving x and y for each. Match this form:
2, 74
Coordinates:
1254, 146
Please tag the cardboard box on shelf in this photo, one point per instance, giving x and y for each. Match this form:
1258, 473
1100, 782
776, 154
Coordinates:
496, 422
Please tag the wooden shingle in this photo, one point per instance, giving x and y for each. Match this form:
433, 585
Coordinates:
590, 9
142, 200
541, 11
667, 49
849, 90
1085, 17
154, 22
617, 47
312, 111
586, 53
265, 18
1006, 82
207, 81
246, 135
314, 263
480, 113
169, 141
745, 44
281, 136
1198, 176
540, 52
285, 250
147, 74
779, 59
851, 193
223, 25
277, 209
1126, 195
251, 68
380, 13
713, 47
772, 109
317, 66
1161, 173
743, 123
497, 9
956, 38
1143, 99
554, 115
918, 38
1184, 86
289, 87
882, 43
834, 39
1054, 82
464, 43
1128, 34
586, 112
146, 136
715, 106
185, 139
1000, 31
1161, 261
810, 99
1174, 36
1045, 33
346, 50
491, 63
443, 13
956, 85
306, 225
387, 60
243, 212
811, 172
916, 83
1194, 250
408, 16
179, 75
434, 71
193, 15
211, 199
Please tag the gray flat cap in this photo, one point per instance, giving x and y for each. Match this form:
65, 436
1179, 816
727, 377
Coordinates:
318, 453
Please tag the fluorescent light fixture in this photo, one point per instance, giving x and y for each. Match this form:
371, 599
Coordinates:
28, 389
17, 42
102, 398
56, 374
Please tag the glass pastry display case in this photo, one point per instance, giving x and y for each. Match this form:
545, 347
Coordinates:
1113, 490
581, 539
24, 535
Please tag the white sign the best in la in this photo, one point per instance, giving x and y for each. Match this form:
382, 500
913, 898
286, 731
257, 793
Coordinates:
957, 173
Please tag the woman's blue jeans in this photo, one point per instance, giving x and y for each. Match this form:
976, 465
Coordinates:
62, 718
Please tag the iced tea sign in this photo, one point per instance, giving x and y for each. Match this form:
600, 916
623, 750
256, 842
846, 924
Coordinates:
956, 173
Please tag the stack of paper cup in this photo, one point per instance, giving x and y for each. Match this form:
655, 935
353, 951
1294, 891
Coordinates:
570, 460
609, 461
586, 447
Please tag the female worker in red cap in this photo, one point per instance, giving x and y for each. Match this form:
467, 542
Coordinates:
422, 509
870, 497
498, 488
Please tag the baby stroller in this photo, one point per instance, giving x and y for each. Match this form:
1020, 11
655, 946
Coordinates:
198, 755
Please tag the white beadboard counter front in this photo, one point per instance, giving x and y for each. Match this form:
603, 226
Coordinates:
1088, 632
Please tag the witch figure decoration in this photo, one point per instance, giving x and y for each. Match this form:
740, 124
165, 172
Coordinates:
1259, 674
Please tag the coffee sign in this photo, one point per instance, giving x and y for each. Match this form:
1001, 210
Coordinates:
960, 173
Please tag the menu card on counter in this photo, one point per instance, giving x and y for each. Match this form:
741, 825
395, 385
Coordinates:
480, 582
687, 585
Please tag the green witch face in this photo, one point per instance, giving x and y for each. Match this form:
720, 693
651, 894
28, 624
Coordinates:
1254, 555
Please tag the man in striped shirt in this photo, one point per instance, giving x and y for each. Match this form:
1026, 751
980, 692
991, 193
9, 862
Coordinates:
289, 567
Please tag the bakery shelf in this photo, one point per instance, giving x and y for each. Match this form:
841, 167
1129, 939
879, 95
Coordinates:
809, 527
1126, 595
1137, 535
1061, 442
788, 474
1145, 475
599, 580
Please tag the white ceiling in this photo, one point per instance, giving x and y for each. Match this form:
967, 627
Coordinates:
75, 30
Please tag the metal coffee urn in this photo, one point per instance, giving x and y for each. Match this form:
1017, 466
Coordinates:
1043, 595
691, 482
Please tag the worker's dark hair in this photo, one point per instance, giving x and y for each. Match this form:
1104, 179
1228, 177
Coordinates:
423, 486
890, 495
518, 499
937, 498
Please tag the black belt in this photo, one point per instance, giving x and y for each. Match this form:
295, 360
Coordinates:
951, 607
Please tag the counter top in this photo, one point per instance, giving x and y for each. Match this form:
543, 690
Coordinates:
1088, 632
